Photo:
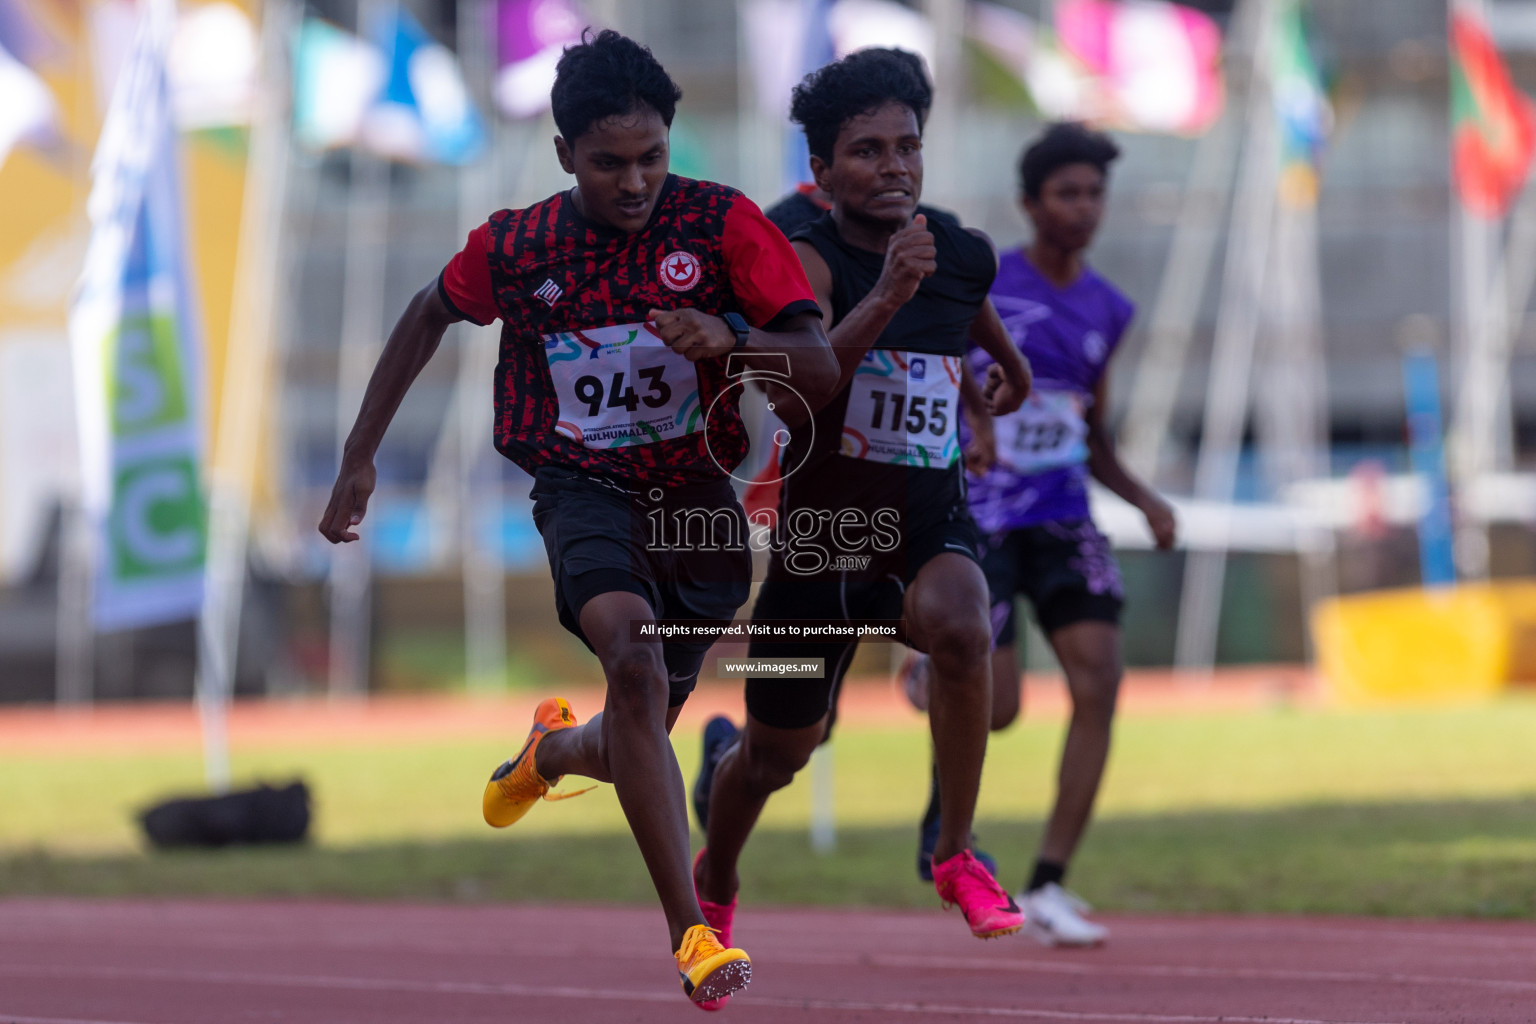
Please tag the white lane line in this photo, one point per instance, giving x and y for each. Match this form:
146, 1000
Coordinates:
897, 961
1174, 971
11, 1018
768, 928
622, 995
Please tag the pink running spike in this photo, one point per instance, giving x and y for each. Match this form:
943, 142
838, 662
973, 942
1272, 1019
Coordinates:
962, 881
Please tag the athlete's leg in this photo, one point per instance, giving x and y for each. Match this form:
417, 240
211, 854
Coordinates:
762, 762
786, 720
1007, 688
945, 612
1089, 652
1007, 696
998, 567
628, 745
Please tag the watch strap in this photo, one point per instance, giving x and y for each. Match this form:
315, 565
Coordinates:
739, 327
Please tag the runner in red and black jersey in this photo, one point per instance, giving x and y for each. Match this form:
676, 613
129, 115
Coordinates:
873, 499
625, 301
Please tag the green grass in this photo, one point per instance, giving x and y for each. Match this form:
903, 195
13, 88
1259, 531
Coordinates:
1405, 813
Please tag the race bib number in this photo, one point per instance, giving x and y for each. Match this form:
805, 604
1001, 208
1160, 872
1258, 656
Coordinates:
902, 409
1047, 432
620, 386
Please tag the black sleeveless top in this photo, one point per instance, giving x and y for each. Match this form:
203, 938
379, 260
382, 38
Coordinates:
935, 321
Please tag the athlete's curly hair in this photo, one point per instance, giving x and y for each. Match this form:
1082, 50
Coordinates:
860, 83
608, 75
1063, 143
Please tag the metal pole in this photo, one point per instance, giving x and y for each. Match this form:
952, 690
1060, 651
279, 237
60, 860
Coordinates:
823, 795
74, 633
1473, 358
247, 371
942, 184
485, 606
361, 330
1207, 195
1227, 391
1161, 368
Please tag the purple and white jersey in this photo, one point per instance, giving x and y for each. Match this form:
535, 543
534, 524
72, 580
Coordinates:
1068, 335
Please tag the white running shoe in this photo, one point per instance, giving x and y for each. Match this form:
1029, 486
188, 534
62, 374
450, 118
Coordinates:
1054, 917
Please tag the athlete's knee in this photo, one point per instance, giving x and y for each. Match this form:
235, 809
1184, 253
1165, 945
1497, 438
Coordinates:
771, 764
1095, 692
958, 635
637, 683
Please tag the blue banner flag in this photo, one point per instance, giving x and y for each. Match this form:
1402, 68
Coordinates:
135, 344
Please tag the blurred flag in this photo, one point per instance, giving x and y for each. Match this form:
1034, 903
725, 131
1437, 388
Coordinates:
816, 49
213, 66
1301, 106
135, 347
1159, 63
1057, 84
28, 112
424, 111
788, 39
24, 36
1140, 65
337, 76
404, 98
1493, 127
859, 24
530, 36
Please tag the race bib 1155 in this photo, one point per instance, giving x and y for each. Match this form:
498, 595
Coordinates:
903, 409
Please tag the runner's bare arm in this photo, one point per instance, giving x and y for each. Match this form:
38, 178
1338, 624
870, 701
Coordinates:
800, 338
1008, 378
411, 344
1105, 465
910, 257
981, 453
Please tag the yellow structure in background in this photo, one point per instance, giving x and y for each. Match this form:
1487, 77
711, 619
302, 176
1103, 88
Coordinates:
1451, 644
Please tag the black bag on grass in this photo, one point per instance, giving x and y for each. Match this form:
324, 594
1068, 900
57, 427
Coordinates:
265, 814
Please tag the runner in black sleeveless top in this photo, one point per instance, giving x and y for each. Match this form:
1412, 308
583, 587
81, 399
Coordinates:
872, 512
924, 484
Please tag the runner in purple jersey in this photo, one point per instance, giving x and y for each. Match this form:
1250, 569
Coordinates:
1031, 505
1068, 334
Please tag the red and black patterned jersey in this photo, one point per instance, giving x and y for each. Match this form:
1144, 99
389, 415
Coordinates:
556, 280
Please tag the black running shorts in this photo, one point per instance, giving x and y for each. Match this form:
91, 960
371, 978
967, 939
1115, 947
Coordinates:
1066, 570
601, 537
875, 593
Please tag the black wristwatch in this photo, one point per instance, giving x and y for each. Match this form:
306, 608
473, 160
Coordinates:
738, 327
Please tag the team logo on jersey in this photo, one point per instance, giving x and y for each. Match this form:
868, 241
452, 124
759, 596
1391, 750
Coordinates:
679, 270
549, 291
1094, 347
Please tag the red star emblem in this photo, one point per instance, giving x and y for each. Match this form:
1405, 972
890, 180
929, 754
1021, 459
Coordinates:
679, 271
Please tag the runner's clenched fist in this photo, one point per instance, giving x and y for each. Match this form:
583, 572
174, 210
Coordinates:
691, 334
910, 257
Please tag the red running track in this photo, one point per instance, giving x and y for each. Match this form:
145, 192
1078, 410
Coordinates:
100, 962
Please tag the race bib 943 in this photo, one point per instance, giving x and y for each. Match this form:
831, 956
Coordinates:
620, 386
903, 409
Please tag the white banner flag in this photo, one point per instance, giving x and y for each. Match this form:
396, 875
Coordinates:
135, 346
